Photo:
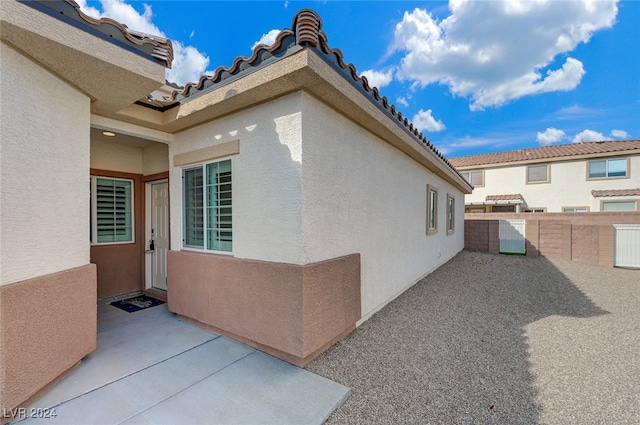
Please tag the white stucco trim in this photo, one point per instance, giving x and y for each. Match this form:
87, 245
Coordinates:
104, 123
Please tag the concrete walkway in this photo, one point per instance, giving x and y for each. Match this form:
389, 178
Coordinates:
152, 368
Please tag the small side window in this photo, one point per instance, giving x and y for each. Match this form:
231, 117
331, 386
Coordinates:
451, 214
432, 210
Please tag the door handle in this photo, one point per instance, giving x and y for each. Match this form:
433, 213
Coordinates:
152, 247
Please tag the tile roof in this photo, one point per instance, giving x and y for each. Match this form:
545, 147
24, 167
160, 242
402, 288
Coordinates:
306, 32
158, 49
546, 152
515, 197
615, 192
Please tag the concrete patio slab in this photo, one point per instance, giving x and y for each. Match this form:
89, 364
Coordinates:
257, 389
151, 367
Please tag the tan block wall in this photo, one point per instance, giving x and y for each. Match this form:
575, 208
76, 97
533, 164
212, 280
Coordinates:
551, 238
584, 237
291, 311
48, 324
476, 235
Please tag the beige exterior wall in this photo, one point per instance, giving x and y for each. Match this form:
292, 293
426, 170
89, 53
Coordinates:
115, 157
155, 159
568, 187
44, 172
267, 188
343, 200
309, 186
110, 156
361, 195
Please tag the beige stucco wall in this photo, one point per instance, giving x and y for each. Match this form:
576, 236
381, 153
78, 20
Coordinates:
129, 159
354, 193
116, 157
361, 195
569, 186
44, 175
155, 159
267, 184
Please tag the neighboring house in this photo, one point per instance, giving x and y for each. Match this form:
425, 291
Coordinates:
285, 200
579, 177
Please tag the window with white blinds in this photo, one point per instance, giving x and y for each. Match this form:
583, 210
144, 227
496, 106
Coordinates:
207, 207
111, 210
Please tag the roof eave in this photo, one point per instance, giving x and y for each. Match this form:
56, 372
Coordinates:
92, 65
305, 70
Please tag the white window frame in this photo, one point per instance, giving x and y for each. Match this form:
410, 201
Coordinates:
94, 212
432, 210
205, 224
535, 210
548, 178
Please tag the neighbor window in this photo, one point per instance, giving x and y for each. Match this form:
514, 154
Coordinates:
432, 210
619, 205
535, 210
538, 173
111, 210
475, 178
207, 206
575, 209
451, 214
608, 168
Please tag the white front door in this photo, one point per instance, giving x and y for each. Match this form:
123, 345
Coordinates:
159, 234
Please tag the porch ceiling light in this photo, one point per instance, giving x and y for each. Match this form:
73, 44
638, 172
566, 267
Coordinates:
108, 133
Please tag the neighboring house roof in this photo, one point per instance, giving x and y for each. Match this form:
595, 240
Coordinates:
515, 197
557, 152
155, 48
615, 192
306, 33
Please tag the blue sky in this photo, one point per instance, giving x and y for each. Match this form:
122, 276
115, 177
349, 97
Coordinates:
474, 76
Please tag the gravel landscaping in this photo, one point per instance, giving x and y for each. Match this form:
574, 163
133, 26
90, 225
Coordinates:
497, 340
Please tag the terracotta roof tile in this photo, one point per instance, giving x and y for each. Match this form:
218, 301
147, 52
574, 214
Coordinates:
306, 33
546, 152
515, 197
615, 192
153, 47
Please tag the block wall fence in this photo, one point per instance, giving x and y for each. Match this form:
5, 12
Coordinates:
584, 237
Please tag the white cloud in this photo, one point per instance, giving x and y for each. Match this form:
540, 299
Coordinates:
468, 142
620, 134
494, 52
378, 79
589, 136
192, 33
267, 39
550, 136
402, 101
188, 65
424, 120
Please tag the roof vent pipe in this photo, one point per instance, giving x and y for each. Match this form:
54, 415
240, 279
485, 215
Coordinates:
307, 25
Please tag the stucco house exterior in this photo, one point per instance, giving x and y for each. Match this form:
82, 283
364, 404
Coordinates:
281, 201
578, 177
